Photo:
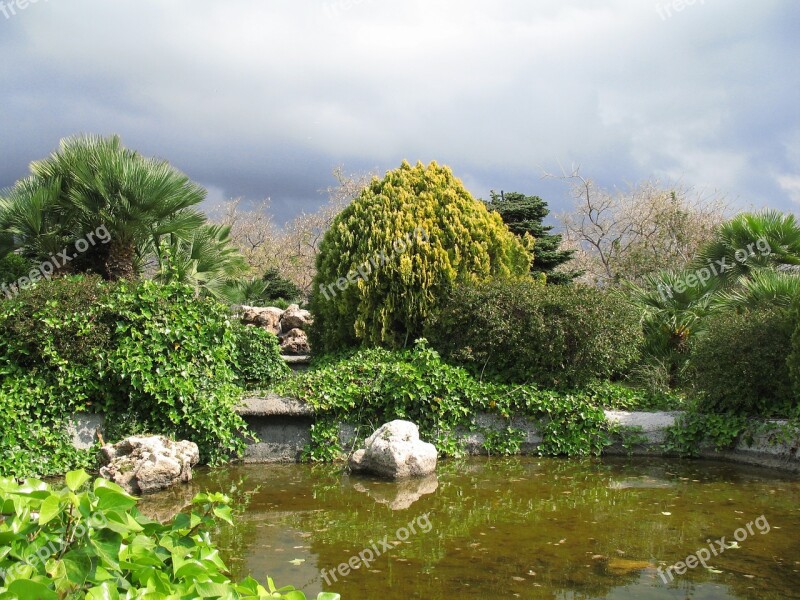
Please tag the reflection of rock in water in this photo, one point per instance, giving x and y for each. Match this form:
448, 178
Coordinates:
641, 482
164, 505
622, 566
398, 495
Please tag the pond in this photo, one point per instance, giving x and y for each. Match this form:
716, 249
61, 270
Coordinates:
519, 527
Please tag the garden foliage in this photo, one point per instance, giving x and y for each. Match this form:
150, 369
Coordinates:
151, 358
90, 541
258, 361
12, 267
394, 251
522, 331
525, 214
740, 365
373, 386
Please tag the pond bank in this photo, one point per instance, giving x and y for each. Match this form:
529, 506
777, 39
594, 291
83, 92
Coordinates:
283, 428
283, 425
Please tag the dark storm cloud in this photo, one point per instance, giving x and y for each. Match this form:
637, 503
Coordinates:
265, 99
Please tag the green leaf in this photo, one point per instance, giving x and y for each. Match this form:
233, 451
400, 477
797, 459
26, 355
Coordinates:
76, 479
49, 510
26, 588
224, 513
114, 498
105, 591
208, 589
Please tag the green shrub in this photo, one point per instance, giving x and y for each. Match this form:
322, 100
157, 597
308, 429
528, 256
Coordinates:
12, 267
793, 360
394, 251
694, 430
522, 331
258, 359
619, 396
279, 287
51, 342
171, 362
151, 358
740, 364
373, 386
94, 543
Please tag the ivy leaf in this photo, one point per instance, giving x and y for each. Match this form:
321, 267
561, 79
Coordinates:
105, 591
224, 513
49, 510
76, 479
25, 588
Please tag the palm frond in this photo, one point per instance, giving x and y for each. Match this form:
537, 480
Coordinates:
765, 287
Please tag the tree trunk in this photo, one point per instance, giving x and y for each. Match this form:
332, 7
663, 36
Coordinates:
120, 261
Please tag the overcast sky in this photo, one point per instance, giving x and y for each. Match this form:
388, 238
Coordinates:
265, 98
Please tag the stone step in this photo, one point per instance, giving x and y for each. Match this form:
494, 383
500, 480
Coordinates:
283, 426
296, 363
273, 405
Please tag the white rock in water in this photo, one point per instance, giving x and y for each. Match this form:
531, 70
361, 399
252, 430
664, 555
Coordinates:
395, 451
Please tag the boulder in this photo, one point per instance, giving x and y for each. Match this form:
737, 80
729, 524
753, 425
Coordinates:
295, 318
395, 451
295, 342
143, 465
268, 317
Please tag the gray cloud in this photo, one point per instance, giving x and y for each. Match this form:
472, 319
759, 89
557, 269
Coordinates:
264, 99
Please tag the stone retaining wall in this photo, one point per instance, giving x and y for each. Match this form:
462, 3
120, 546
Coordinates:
283, 428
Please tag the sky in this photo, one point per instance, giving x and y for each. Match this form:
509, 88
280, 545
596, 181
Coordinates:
264, 99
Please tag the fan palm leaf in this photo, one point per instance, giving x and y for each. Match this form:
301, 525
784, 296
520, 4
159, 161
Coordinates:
765, 287
205, 260
752, 241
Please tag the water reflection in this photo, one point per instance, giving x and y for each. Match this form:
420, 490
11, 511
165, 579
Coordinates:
397, 495
521, 527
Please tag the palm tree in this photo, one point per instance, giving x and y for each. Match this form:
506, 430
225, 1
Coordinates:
245, 291
31, 219
673, 315
137, 199
204, 259
752, 241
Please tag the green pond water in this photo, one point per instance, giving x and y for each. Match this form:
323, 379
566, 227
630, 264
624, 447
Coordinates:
513, 528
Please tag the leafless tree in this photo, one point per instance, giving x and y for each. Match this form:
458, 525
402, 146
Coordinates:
291, 250
625, 234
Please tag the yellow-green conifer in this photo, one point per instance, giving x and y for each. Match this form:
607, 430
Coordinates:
392, 253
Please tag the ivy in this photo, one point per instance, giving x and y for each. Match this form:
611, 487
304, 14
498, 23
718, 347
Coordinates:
151, 358
372, 386
692, 430
258, 361
505, 442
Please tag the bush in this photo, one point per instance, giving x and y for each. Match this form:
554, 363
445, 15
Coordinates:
390, 256
94, 543
522, 331
258, 356
149, 357
171, 361
740, 365
12, 267
374, 386
279, 287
